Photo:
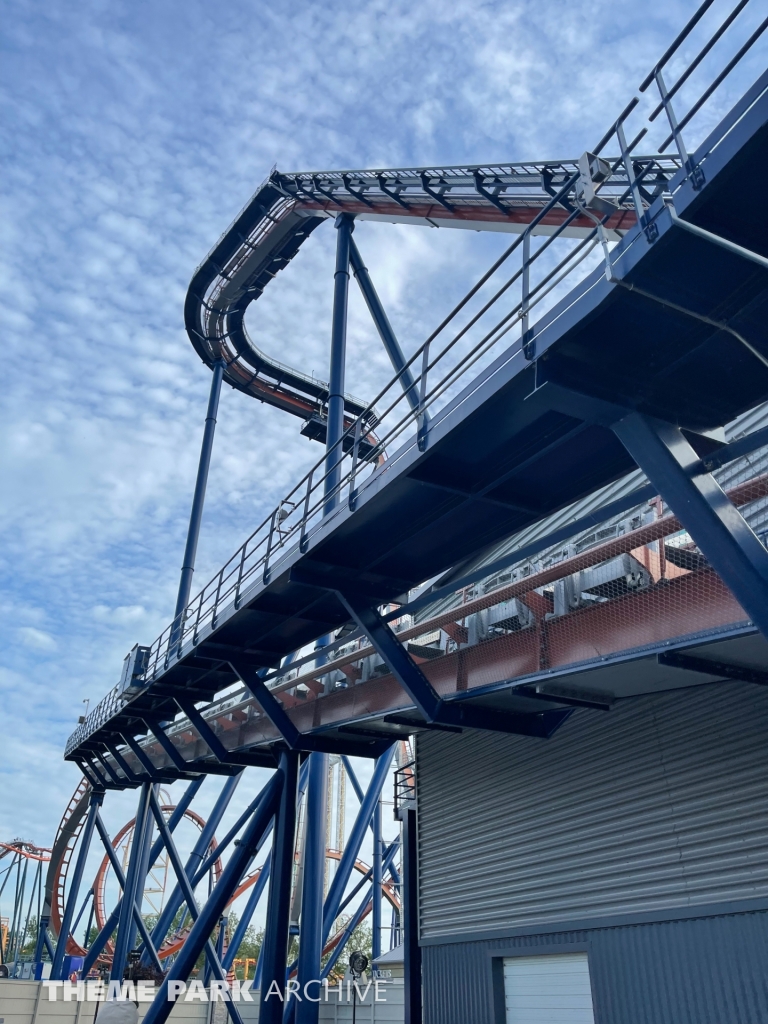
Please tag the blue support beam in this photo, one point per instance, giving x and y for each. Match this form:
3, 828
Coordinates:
352, 849
421, 691
198, 500
410, 920
242, 926
717, 527
383, 326
344, 227
199, 937
376, 880
311, 945
134, 883
199, 851
275, 943
100, 941
96, 799
118, 869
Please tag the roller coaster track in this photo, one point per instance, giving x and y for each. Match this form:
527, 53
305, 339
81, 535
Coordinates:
287, 208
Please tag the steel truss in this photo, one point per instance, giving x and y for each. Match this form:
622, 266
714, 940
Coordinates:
552, 417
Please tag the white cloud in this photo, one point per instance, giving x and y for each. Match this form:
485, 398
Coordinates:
134, 132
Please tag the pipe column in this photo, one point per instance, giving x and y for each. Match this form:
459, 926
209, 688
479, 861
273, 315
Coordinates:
334, 454
311, 945
198, 500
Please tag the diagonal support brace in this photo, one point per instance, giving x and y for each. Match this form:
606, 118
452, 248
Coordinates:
661, 450
425, 697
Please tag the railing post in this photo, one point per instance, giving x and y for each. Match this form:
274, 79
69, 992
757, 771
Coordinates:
334, 452
697, 175
526, 289
303, 539
352, 500
269, 546
423, 419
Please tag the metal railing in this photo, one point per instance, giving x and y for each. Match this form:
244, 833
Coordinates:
602, 191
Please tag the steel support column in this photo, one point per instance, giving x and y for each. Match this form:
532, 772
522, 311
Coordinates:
198, 500
207, 918
311, 945
100, 941
242, 926
133, 880
383, 326
698, 501
66, 924
344, 226
195, 859
410, 918
360, 827
421, 691
376, 880
275, 941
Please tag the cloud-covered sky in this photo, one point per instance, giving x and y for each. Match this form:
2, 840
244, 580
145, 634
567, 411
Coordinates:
133, 132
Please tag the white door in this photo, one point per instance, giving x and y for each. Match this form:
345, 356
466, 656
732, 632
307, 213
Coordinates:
551, 989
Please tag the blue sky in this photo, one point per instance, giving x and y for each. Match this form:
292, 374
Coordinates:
132, 135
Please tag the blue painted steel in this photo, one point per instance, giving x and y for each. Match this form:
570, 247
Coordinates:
311, 943
383, 326
198, 500
349, 929
376, 867
698, 501
134, 883
344, 226
144, 866
275, 942
118, 869
100, 941
77, 877
410, 920
242, 925
421, 691
199, 937
351, 850
199, 851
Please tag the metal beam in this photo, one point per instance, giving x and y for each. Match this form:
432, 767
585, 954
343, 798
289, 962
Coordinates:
198, 500
698, 501
111, 923
423, 694
352, 849
690, 663
275, 941
199, 851
383, 326
133, 880
118, 869
208, 917
410, 914
344, 226
57, 966
311, 945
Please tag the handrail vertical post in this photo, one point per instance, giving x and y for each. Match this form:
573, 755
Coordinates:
303, 540
423, 418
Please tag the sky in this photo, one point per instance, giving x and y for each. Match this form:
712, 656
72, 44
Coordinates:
132, 134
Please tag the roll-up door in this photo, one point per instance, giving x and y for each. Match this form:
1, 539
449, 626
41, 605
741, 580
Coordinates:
548, 989
660, 803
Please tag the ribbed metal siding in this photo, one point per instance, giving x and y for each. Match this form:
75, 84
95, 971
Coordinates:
660, 803
706, 971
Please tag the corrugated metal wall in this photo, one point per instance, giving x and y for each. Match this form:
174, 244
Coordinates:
706, 971
660, 803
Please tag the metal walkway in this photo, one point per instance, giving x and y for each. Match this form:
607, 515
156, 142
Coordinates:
659, 342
